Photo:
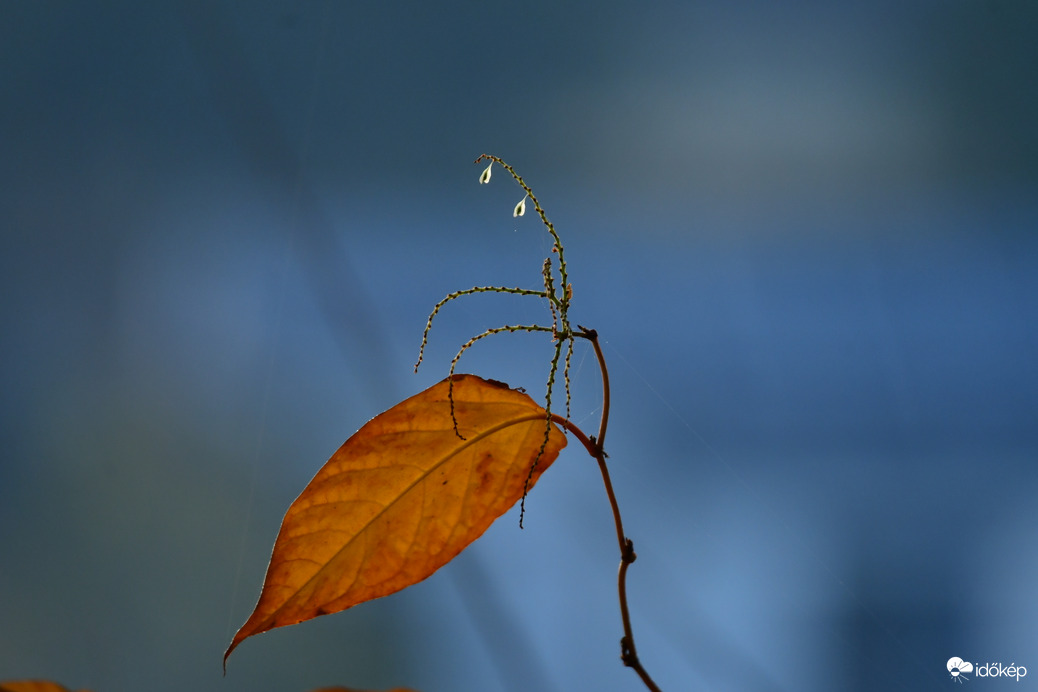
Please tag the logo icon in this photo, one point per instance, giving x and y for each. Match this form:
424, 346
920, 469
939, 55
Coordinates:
957, 668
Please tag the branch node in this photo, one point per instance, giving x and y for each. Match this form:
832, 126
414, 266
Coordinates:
629, 555
627, 653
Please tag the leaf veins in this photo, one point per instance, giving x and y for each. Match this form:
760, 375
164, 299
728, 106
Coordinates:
401, 498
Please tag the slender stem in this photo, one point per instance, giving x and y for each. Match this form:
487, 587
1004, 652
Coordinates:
628, 653
592, 336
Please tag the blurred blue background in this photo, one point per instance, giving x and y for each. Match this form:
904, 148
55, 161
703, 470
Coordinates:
806, 234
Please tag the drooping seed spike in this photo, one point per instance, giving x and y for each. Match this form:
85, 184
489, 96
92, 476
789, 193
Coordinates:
547, 428
467, 345
537, 207
465, 292
565, 373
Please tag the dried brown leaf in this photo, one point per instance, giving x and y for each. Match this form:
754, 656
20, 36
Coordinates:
401, 498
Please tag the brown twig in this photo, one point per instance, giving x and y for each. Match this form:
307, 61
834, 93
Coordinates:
628, 652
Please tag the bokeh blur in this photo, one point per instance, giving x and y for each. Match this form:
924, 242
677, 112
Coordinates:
807, 234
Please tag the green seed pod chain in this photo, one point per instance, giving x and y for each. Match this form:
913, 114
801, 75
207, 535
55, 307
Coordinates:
558, 295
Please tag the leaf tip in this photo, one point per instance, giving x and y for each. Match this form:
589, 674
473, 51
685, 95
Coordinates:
234, 645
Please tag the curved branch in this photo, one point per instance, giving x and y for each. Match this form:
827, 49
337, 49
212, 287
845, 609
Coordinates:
628, 652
